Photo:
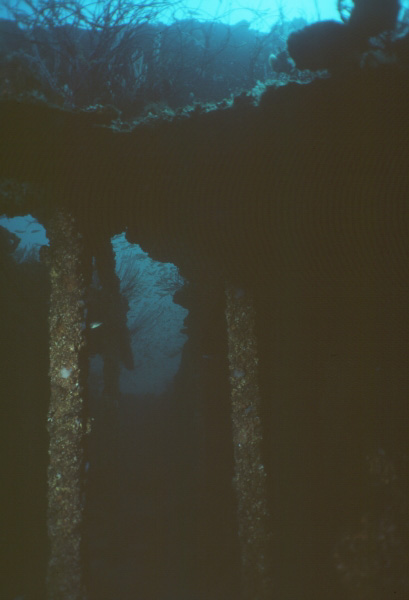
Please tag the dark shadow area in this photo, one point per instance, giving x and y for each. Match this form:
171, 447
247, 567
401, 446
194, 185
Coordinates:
24, 392
333, 367
160, 514
141, 503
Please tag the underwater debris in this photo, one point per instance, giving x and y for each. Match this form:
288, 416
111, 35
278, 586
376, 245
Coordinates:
369, 18
335, 46
323, 45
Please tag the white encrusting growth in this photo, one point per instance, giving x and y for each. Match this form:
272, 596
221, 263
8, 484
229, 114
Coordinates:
65, 373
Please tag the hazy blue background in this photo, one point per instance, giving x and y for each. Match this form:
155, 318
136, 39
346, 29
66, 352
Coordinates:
262, 14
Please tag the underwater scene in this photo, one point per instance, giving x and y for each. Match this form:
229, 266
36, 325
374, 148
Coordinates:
204, 302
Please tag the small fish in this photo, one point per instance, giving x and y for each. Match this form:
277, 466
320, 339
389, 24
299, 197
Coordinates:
95, 324
35, 230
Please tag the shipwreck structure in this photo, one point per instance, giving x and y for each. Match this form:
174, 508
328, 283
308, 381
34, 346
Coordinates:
292, 216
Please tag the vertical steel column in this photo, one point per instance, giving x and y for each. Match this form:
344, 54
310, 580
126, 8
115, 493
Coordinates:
65, 415
254, 521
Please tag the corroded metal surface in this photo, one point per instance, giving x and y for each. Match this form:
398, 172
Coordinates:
65, 416
250, 478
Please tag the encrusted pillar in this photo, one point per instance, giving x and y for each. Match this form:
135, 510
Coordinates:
250, 478
65, 415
